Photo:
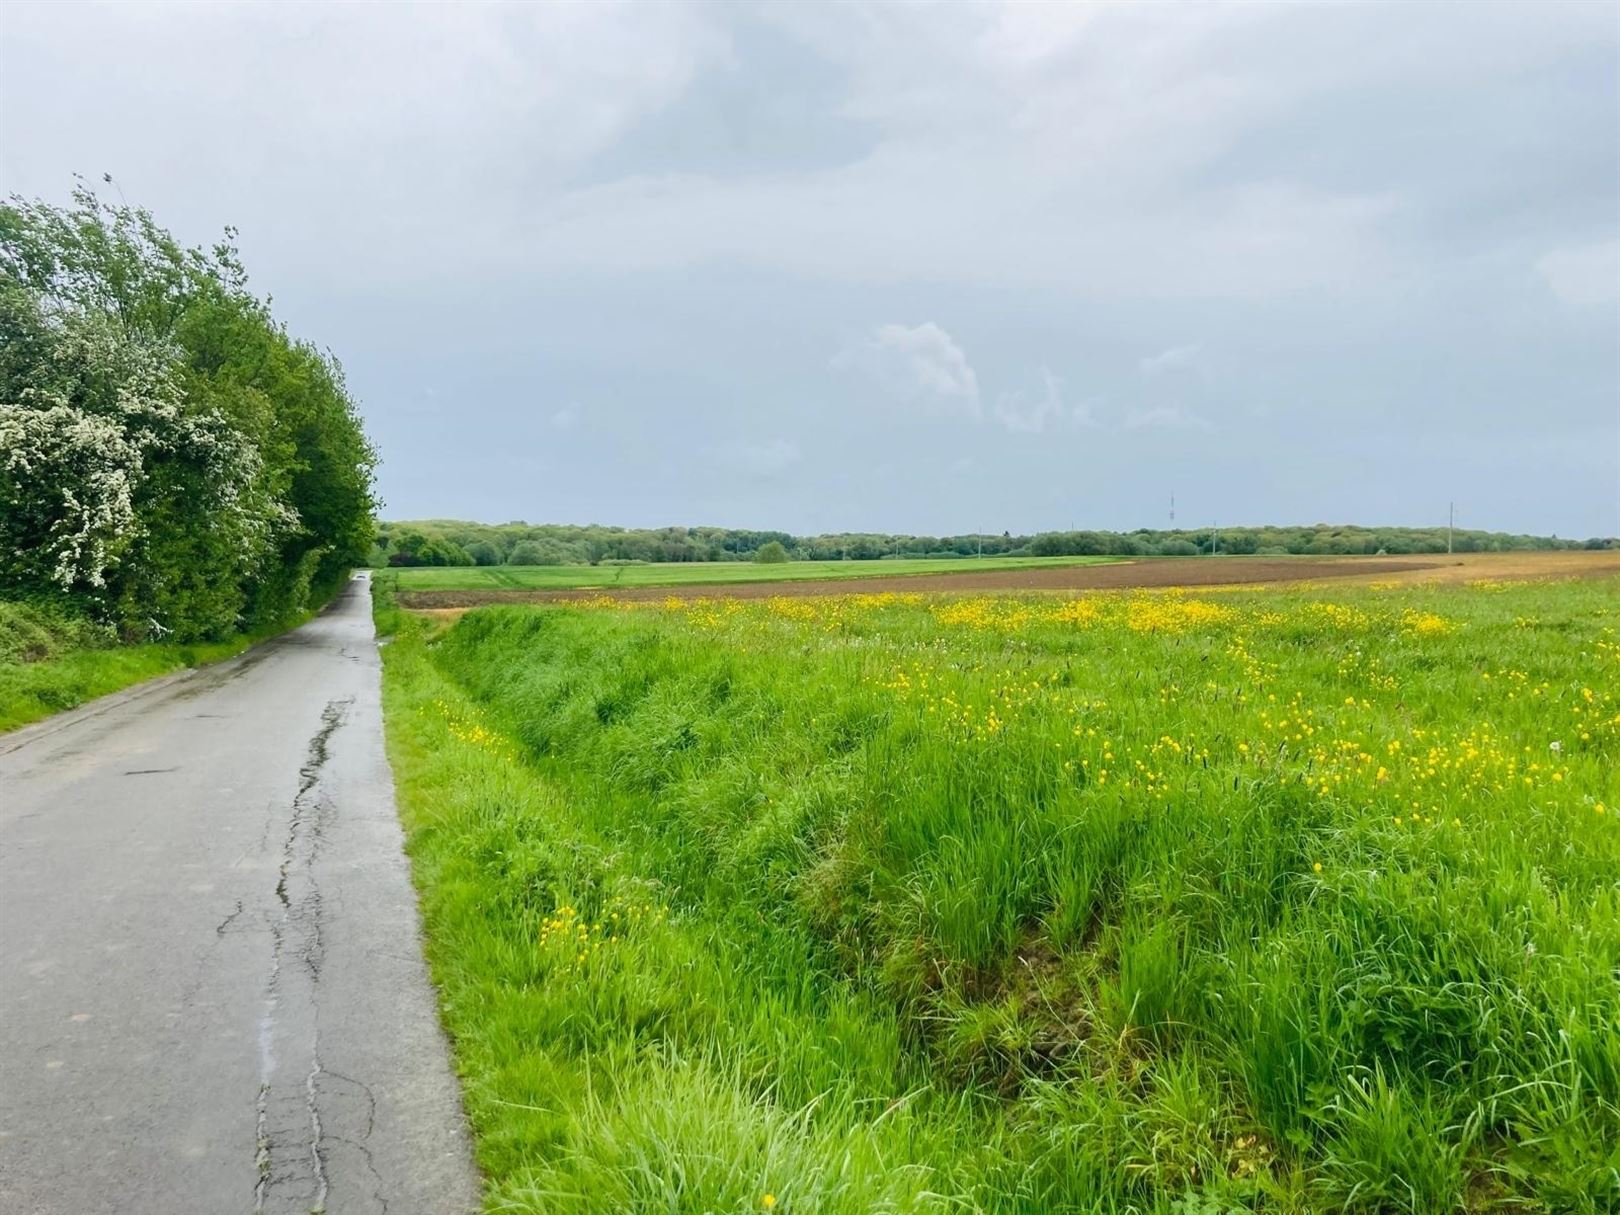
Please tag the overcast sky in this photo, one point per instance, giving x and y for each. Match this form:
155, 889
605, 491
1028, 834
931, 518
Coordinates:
930, 268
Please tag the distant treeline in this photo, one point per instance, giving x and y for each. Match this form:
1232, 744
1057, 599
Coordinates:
172, 462
449, 542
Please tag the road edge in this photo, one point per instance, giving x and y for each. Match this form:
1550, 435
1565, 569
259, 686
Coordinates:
21, 736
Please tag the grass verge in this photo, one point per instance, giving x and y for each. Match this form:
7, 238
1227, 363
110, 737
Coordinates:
1257, 902
50, 663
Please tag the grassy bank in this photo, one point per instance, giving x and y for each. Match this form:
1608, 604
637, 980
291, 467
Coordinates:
50, 662
698, 573
1249, 902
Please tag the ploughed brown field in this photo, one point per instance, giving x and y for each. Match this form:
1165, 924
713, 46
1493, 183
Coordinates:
1145, 572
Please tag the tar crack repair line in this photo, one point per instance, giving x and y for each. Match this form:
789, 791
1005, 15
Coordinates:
296, 931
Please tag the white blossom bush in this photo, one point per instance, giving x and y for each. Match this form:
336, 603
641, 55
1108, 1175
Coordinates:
68, 475
96, 438
172, 461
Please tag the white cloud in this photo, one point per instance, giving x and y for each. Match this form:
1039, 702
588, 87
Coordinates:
1169, 360
761, 459
923, 364
567, 417
917, 363
1583, 274
1032, 413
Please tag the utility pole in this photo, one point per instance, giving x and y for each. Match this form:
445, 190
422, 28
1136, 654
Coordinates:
1214, 539
1451, 522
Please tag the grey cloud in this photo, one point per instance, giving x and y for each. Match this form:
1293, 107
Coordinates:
1394, 226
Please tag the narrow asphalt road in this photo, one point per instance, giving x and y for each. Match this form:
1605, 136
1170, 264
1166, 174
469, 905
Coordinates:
212, 993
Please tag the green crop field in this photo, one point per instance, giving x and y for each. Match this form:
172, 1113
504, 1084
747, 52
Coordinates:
1263, 901
691, 573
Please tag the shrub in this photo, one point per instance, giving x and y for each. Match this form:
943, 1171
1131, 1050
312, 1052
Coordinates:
30, 633
534, 552
171, 461
771, 553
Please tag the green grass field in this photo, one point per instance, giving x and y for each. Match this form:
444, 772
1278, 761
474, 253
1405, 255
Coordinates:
1286, 901
564, 577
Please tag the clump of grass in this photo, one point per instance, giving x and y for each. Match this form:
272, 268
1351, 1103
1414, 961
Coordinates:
1258, 902
385, 613
32, 633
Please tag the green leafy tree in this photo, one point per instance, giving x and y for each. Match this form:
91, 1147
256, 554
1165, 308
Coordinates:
771, 553
535, 552
571, 544
170, 459
482, 552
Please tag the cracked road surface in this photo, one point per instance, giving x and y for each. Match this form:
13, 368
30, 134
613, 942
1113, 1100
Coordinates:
212, 993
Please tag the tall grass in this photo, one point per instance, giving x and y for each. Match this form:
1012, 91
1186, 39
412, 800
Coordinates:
1255, 902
